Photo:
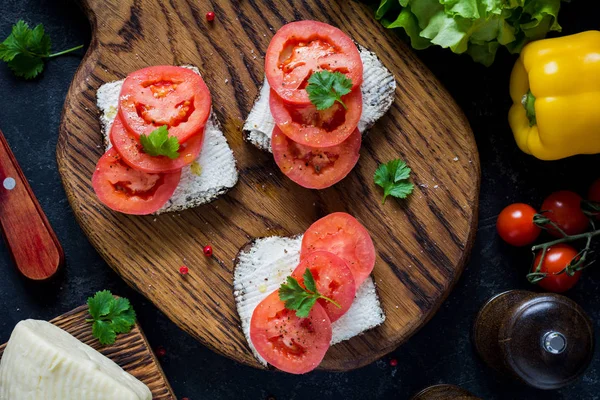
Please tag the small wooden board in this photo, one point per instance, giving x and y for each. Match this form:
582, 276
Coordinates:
422, 243
131, 351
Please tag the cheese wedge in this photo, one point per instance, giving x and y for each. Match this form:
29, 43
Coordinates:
378, 90
212, 174
43, 362
264, 264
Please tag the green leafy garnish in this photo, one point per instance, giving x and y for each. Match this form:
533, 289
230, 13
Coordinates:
475, 27
302, 299
394, 177
158, 143
25, 50
110, 316
325, 88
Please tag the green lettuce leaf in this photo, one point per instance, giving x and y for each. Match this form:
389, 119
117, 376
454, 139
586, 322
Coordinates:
475, 27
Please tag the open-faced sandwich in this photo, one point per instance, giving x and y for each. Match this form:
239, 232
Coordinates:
298, 296
165, 150
321, 93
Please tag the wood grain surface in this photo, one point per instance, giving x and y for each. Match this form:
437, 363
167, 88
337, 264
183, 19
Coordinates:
32, 243
422, 244
131, 351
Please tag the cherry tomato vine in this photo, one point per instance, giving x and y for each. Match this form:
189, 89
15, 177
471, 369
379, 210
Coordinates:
565, 215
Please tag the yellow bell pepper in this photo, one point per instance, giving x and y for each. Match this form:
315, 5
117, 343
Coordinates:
555, 89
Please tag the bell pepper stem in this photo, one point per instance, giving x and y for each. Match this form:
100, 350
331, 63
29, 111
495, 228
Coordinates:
528, 102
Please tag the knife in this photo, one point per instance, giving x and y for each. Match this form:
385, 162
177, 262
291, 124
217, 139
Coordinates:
31, 241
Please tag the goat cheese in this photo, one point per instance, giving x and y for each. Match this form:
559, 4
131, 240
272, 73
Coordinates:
43, 362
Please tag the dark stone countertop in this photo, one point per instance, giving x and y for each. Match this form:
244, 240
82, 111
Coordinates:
440, 353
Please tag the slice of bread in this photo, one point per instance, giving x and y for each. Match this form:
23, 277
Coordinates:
212, 174
378, 90
264, 264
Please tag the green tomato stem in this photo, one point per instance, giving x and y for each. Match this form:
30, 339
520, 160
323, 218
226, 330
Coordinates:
566, 239
60, 53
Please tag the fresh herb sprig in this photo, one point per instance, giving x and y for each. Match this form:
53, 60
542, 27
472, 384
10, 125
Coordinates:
158, 143
394, 178
302, 299
325, 88
110, 316
25, 50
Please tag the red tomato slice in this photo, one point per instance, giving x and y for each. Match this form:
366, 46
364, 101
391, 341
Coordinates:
300, 48
310, 127
333, 279
129, 191
165, 95
130, 149
315, 168
342, 235
291, 344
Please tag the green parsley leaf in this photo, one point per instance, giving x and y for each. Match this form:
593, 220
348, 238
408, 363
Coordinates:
300, 299
306, 306
325, 88
110, 316
394, 177
158, 143
25, 50
309, 281
103, 332
100, 304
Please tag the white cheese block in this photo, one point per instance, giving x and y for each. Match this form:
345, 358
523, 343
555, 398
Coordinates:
378, 90
212, 174
264, 265
43, 362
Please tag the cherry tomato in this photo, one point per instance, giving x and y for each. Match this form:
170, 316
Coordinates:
300, 48
315, 168
129, 191
287, 342
165, 95
564, 209
333, 279
556, 259
515, 225
309, 127
342, 235
594, 194
131, 150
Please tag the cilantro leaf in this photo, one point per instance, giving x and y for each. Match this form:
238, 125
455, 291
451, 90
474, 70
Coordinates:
100, 304
158, 143
123, 322
394, 177
325, 88
300, 299
103, 332
304, 310
110, 316
309, 281
25, 50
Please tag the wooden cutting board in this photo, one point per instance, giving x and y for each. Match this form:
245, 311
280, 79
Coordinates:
422, 243
131, 351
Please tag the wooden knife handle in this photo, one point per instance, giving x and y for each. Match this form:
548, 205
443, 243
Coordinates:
32, 242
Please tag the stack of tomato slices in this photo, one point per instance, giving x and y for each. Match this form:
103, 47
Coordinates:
131, 181
314, 148
340, 254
